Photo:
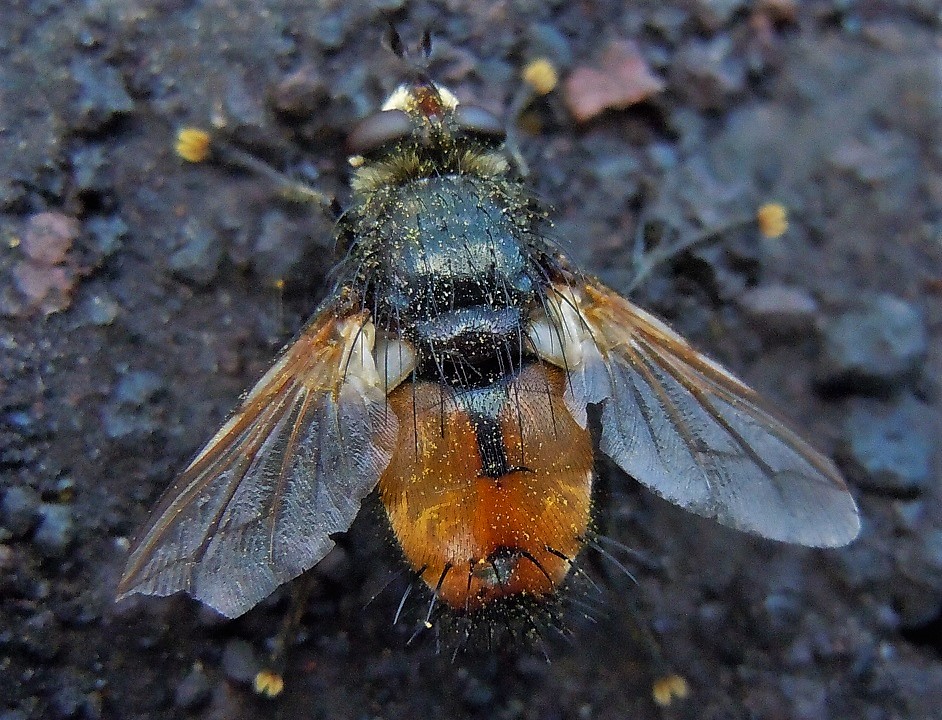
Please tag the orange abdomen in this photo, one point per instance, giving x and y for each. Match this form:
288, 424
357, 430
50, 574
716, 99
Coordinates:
474, 534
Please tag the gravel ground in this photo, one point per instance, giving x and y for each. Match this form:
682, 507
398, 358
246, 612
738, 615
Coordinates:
139, 296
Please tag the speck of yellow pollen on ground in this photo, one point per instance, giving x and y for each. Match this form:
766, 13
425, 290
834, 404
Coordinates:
268, 683
193, 144
541, 75
669, 688
772, 218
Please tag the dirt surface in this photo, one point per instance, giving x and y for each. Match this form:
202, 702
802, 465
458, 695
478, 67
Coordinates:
139, 296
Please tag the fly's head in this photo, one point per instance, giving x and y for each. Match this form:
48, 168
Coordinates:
423, 130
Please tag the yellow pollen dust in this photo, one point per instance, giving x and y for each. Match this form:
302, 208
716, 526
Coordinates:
192, 144
669, 688
541, 75
268, 683
773, 219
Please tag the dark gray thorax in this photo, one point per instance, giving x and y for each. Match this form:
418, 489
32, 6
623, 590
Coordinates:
452, 273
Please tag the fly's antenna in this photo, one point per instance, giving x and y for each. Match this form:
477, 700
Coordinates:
417, 57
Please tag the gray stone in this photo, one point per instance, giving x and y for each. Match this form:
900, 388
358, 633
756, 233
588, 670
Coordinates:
779, 309
99, 309
20, 510
138, 388
127, 413
239, 662
890, 449
197, 254
88, 169
106, 234
873, 348
708, 73
101, 95
56, 530
544, 40
279, 250
194, 690
715, 14
41, 635
67, 702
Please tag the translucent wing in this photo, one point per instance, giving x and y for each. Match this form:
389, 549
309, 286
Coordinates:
258, 504
686, 428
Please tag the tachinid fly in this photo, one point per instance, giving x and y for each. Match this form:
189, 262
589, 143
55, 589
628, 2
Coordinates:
451, 369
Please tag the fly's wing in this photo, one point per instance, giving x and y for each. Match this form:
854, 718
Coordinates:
686, 428
258, 504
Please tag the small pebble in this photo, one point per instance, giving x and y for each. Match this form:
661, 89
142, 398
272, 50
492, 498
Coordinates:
67, 702
622, 79
106, 234
197, 255
668, 22
910, 514
890, 450
88, 164
44, 277
14, 715
41, 635
808, 697
194, 691
279, 250
477, 694
779, 310
301, 93
713, 15
20, 510
127, 412
99, 309
138, 388
243, 106
330, 30
48, 237
8, 558
865, 563
873, 348
239, 662
101, 96
56, 530
780, 10
708, 74
45, 287
544, 40
932, 549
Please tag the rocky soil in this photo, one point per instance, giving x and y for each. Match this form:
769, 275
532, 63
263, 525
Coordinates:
140, 295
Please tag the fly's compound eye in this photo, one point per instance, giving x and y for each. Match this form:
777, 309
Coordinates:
378, 130
479, 123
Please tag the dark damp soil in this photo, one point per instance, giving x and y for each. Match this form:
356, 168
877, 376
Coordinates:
139, 296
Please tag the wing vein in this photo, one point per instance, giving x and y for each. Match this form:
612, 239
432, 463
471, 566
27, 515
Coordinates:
286, 462
642, 363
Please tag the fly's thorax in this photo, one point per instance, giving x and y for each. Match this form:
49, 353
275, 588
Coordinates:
452, 264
